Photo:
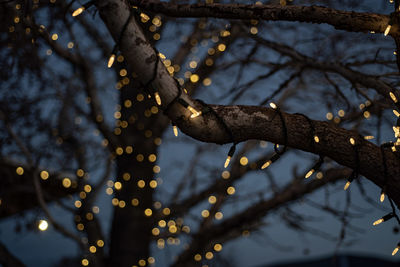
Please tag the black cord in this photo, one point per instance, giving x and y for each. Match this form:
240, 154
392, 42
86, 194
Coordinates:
284, 132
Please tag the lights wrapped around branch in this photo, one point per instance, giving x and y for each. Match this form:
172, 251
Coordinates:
384, 218
185, 104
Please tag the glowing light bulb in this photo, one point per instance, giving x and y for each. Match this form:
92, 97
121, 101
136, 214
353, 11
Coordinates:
352, 141
158, 98
43, 225
266, 164
309, 173
195, 113
346, 186
273, 105
396, 113
393, 97
381, 220
387, 30
382, 198
111, 60
368, 137
316, 139
175, 130
396, 250
78, 11
228, 159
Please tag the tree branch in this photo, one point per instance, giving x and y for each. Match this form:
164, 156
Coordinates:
246, 122
342, 20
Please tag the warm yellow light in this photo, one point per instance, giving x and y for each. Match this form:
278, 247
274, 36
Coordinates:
309, 173
44, 175
378, 221
352, 141
197, 257
266, 164
100, 243
244, 161
195, 113
382, 198
228, 159
387, 30
19, 170
111, 60
66, 182
231, 190
212, 199
395, 250
347, 185
43, 225
85, 262
393, 97
369, 137
205, 213
148, 212
396, 113
273, 105
175, 130
316, 139
396, 131
217, 247
78, 11
158, 98
92, 249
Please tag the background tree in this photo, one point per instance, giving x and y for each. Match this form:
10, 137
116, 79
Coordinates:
65, 132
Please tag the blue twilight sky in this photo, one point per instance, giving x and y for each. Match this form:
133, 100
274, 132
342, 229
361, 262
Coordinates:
274, 242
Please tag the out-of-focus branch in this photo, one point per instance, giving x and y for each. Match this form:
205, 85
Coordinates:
7, 259
233, 226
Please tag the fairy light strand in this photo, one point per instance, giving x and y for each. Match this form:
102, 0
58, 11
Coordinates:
355, 172
278, 153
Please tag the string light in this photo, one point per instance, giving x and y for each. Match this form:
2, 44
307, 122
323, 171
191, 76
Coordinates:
396, 249
315, 168
43, 225
393, 97
382, 198
230, 154
387, 30
175, 129
384, 219
185, 104
274, 158
80, 10
158, 98
351, 178
111, 60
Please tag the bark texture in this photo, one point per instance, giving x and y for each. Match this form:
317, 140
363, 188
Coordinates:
342, 20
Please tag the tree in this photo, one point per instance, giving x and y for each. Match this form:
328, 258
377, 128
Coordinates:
56, 106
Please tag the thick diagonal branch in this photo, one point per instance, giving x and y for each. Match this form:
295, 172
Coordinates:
246, 122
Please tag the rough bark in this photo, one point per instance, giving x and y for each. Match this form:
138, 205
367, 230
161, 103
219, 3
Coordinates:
342, 20
248, 122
